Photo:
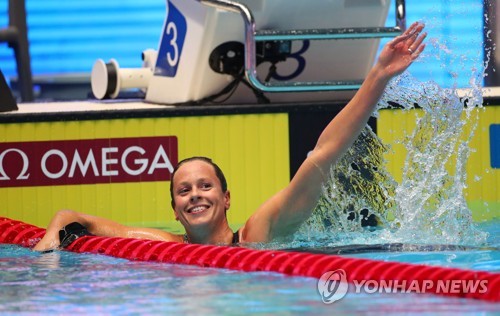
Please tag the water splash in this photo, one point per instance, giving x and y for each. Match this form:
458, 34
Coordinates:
428, 205
430, 202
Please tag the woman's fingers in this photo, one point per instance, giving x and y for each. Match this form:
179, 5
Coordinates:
417, 43
403, 36
410, 35
417, 52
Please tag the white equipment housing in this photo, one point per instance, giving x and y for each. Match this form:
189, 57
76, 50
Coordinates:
319, 36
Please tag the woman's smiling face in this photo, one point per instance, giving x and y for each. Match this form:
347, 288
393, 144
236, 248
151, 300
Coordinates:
198, 196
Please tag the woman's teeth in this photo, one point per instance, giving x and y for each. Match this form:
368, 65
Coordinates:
197, 209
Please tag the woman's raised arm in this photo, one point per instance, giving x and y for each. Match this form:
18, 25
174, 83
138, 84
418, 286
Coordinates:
284, 212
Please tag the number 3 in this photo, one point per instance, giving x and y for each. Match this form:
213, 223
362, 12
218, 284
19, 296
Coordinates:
301, 63
172, 30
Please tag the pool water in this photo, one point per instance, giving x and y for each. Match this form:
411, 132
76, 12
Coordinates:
68, 283
482, 258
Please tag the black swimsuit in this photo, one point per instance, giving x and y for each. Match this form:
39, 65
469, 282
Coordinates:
236, 238
234, 242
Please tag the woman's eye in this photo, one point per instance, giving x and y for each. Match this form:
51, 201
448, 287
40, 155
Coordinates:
183, 191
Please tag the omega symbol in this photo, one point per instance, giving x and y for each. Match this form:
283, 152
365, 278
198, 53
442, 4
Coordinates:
23, 175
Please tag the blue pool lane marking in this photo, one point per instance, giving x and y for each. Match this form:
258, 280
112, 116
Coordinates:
495, 145
174, 34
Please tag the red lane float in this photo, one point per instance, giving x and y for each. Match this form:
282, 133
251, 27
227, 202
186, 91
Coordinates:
290, 263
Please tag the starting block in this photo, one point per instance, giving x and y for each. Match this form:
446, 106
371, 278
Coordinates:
277, 50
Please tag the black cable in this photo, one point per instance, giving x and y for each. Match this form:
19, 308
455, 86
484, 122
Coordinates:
230, 89
271, 72
261, 98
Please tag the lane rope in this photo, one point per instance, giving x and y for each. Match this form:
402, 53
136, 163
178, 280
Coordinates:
290, 263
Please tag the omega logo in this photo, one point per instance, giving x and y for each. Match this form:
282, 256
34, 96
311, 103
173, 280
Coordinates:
78, 164
22, 175
87, 161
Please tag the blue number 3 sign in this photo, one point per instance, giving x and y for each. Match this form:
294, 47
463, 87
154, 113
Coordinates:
172, 41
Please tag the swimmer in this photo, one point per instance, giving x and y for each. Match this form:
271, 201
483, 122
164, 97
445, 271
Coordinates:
199, 193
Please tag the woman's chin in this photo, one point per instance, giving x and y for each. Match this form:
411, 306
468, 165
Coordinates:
199, 219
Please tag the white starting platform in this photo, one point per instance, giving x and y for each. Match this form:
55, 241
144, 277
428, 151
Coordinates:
251, 51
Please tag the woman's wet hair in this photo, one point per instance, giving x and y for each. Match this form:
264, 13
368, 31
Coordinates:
218, 173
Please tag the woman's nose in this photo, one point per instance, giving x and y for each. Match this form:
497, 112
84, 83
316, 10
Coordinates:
195, 196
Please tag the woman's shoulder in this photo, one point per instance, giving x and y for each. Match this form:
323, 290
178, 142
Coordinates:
153, 234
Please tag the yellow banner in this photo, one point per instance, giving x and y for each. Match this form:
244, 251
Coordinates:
252, 150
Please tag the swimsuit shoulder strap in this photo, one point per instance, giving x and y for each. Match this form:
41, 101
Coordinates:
236, 238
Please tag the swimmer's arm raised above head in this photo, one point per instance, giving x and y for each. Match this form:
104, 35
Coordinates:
285, 211
97, 226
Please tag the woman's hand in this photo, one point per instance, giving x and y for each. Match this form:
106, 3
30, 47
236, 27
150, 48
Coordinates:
50, 240
399, 53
